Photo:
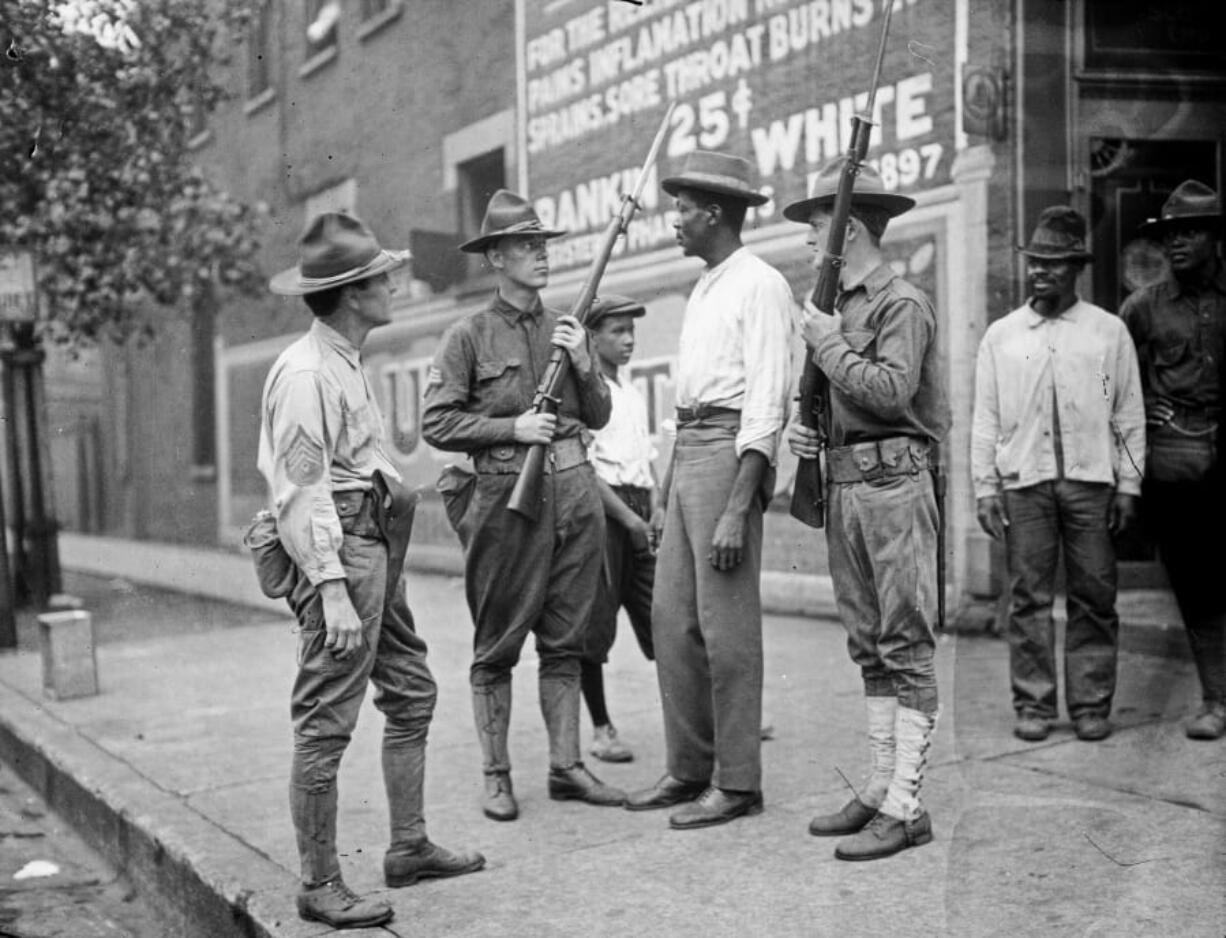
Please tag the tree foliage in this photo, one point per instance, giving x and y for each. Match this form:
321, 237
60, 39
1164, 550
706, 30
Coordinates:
98, 104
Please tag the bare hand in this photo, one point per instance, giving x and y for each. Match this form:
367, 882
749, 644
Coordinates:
657, 527
342, 627
640, 536
803, 441
728, 541
1123, 512
531, 427
816, 325
571, 336
1159, 414
990, 510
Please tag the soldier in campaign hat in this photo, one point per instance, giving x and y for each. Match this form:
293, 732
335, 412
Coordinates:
1179, 327
523, 576
324, 456
1056, 449
887, 414
733, 381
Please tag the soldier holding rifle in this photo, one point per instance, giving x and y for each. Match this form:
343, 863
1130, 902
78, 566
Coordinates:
887, 413
523, 575
733, 377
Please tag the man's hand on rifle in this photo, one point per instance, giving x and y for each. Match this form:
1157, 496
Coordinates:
571, 336
803, 441
531, 427
990, 510
816, 325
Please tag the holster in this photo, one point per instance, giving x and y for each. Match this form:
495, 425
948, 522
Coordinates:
394, 508
274, 570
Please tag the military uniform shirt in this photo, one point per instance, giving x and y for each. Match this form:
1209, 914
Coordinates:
321, 432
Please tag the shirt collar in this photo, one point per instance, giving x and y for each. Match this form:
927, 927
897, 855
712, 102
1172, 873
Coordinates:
1035, 319
514, 313
1216, 282
874, 281
337, 342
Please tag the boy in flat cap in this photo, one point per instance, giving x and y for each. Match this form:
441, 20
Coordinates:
323, 455
523, 576
732, 386
1057, 442
887, 414
622, 454
1179, 327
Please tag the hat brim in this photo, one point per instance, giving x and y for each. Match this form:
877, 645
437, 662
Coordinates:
1054, 255
1156, 225
895, 205
290, 282
674, 183
479, 244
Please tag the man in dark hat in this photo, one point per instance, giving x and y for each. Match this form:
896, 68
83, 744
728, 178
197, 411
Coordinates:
732, 386
1057, 443
622, 455
323, 454
1179, 326
887, 416
523, 576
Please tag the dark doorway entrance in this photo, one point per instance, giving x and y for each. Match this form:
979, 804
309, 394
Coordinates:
1130, 181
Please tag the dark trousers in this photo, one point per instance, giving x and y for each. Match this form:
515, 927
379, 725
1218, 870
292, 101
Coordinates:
1043, 519
628, 583
538, 576
1175, 512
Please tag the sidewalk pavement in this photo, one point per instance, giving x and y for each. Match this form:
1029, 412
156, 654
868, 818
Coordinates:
178, 770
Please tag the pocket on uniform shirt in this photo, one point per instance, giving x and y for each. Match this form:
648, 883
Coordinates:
494, 374
1170, 354
862, 342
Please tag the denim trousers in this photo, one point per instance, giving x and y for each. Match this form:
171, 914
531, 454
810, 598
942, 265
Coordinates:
1046, 520
707, 623
881, 539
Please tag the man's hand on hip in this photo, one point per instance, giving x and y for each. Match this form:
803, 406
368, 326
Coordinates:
341, 623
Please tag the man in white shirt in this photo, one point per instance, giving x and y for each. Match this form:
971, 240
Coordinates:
732, 389
622, 454
1057, 447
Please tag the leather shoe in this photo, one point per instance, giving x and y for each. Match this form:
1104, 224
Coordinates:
1210, 723
1033, 729
849, 819
665, 793
716, 806
405, 866
1092, 727
608, 748
338, 906
578, 784
884, 836
499, 804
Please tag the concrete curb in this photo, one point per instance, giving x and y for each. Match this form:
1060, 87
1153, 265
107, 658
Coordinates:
203, 882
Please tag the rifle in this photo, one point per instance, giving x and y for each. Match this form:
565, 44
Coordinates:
526, 496
808, 492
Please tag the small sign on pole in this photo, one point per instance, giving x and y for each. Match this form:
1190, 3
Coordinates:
18, 295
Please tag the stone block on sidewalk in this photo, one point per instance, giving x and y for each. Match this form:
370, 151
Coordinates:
70, 667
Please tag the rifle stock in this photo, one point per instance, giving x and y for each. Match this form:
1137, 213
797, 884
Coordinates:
526, 497
808, 491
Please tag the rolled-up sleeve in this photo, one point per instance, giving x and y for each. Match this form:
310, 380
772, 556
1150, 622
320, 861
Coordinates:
296, 460
769, 335
446, 423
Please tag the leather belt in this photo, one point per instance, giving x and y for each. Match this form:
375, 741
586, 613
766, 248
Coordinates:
878, 459
563, 454
705, 413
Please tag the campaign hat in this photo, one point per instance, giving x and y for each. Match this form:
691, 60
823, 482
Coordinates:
612, 304
868, 190
1059, 235
508, 214
721, 173
1191, 203
334, 249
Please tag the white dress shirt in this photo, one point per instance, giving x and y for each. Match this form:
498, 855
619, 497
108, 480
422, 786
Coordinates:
1082, 362
621, 450
740, 327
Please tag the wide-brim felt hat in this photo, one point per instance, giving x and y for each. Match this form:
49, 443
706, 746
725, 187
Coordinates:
1059, 235
612, 304
1191, 203
335, 249
508, 214
721, 173
868, 190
